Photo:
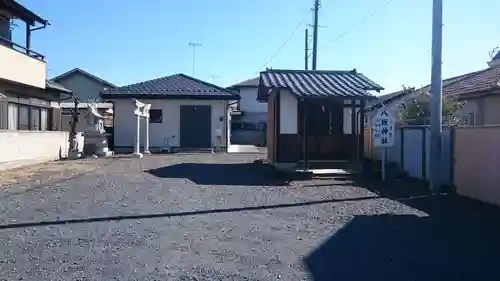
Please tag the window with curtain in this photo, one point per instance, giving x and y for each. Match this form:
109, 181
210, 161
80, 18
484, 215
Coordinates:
24, 117
44, 118
35, 118
28, 114
12, 116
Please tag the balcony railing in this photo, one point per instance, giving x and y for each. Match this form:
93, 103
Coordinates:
6, 42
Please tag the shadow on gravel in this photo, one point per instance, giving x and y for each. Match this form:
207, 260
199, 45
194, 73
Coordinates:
249, 174
458, 240
391, 247
180, 214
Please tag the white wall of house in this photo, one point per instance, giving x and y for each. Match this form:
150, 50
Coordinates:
167, 133
18, 148
83, 86
248, 101
253, 111
471, 115
288, 113
482, 111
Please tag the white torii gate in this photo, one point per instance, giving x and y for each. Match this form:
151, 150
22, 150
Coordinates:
141, 110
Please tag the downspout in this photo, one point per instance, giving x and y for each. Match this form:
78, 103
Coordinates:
226, 121
358, 132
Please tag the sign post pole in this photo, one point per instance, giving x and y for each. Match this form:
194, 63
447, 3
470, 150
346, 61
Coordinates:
383, 132
384, 162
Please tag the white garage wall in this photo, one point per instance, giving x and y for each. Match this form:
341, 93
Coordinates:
288, 113
163, 135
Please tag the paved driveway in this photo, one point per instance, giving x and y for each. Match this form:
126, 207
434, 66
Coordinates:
220, 217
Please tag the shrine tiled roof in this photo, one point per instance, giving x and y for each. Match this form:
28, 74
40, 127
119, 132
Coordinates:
317, 83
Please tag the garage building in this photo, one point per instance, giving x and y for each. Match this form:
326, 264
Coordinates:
186, 114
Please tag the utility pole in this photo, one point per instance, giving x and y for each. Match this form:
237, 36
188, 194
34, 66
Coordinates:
194, 45
315, 34
306, 49
436, 95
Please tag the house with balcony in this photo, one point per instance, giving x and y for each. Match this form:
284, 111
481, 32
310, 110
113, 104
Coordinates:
29, 103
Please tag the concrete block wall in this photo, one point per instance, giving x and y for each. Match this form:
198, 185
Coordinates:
18, 148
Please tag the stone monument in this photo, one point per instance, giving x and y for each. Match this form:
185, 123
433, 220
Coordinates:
96, 139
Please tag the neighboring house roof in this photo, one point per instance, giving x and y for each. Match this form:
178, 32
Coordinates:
402, 95
57, 87
317, 83
478, 82
85, 73
177, 86
387, 98
254, 82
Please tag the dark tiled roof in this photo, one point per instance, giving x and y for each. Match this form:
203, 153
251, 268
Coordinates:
254, 82
178, 85
85, 73
480, 81
317, 83
49, 84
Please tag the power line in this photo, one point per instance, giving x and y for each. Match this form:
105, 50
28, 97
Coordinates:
360, 22
283, 45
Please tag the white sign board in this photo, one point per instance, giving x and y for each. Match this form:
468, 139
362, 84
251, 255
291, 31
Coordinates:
383, 128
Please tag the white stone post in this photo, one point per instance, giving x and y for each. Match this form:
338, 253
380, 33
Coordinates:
137, 152
141, 110
146, 139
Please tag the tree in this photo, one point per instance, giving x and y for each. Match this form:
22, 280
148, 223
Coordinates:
73, 122
417, 109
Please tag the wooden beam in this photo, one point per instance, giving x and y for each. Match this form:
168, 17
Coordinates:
362, 132
304, 134
353, 128
277, 104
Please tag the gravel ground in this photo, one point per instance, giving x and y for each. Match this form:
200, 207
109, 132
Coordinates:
221, 217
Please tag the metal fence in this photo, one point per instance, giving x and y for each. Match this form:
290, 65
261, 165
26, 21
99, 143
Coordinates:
470, 157
411, 152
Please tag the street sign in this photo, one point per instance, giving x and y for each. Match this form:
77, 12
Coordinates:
383, 128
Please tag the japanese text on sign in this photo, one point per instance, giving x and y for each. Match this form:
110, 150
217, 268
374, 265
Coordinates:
383, 129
